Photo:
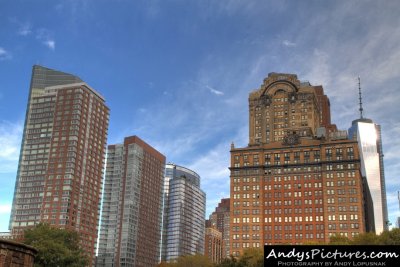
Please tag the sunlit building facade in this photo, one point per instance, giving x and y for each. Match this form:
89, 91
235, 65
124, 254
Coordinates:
220, 219
299, 178
60, 170
132, 205
368, 136
183, 213
213, 245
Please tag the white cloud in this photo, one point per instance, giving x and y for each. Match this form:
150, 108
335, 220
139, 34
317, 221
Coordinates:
44, 36
10, 140
213, 165
288, 43
50, 44
5, 208
25, 29
214, 91
4, 54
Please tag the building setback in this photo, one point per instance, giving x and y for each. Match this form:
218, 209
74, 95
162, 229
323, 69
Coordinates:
219, 219
299, 178
132, 205
60, 169
184, 213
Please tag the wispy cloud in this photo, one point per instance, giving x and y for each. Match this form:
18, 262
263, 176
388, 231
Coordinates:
214, 91
4, 54
288, 43
45, 37
24, 29
42, 35
50, 44
10, 140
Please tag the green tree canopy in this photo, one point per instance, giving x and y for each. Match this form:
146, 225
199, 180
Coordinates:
339, 240
188, 261
365, 239
228, 262
252, 257
391, 237
56, 247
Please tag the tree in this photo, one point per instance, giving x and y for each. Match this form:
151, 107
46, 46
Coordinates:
193, 260
228, 262
251, 257
56, 247
338, 240
197, 260
163, 264
391, 237
365, 239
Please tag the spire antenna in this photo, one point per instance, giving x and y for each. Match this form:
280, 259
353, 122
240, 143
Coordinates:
360, 98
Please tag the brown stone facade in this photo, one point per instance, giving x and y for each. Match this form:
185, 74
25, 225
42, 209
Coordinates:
219, 219
13, 254
213, 245
299, 179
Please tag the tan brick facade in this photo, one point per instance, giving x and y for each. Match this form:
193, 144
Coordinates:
292, 184
213, 245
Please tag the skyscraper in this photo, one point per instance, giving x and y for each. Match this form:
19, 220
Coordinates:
60, 169
132, 205
369, 138
219, 219
184, 213
299, 178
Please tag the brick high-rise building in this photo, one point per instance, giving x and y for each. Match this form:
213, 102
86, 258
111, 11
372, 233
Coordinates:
132, 205
299, 178
219, 219
60, 170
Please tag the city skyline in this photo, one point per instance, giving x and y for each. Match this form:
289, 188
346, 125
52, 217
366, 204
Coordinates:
179, 74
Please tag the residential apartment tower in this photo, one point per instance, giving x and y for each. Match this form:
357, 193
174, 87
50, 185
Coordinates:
132, 205
60, 170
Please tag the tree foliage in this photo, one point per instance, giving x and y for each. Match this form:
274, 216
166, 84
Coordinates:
251, 257
188, 261
56, 247
255, 257
391, 237
228, 262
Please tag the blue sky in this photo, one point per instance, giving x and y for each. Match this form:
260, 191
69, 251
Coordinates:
178, 73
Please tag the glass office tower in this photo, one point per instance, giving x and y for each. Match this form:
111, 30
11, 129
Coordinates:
184, 213
368, 135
